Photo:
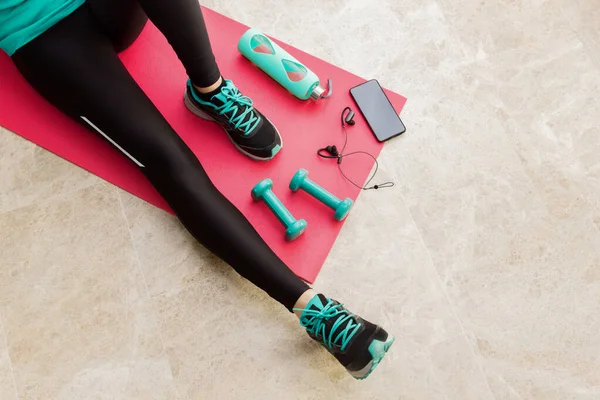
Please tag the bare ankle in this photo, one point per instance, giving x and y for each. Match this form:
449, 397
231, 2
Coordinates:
210, 88
302, 301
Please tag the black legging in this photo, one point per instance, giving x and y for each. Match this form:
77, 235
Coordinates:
75, 66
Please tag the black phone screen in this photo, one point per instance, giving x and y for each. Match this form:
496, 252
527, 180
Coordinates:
377, 110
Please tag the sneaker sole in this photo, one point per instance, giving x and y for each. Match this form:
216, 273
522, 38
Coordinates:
199, 113
377, 348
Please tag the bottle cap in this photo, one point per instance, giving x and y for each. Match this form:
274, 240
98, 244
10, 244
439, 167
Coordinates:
317, 92
320, 92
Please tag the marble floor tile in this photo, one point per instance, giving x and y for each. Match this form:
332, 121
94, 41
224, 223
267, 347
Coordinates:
31, 174
507, 209
76, 313
8, 389
583, 16
555, 129
534, 28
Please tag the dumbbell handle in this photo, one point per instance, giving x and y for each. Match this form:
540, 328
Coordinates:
278, 208
321, 194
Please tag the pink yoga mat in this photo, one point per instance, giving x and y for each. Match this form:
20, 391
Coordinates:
304, 125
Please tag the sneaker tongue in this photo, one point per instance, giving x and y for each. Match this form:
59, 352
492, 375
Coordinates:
317, 302
219, 99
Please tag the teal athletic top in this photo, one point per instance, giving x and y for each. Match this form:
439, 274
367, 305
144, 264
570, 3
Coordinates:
21, 21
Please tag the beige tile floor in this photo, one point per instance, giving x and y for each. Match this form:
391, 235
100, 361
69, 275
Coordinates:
484, 260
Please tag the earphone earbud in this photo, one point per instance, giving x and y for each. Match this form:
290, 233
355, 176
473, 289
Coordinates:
349, 118
332, 150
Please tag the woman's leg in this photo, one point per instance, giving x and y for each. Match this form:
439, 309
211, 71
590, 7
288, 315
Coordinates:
75, 67
181, 22
183, 25
207, 94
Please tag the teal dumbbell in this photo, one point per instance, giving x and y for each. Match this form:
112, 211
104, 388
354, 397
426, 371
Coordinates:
341, 207
263, 191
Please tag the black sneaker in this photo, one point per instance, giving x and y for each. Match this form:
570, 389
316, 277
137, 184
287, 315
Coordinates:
356, 343
249, 131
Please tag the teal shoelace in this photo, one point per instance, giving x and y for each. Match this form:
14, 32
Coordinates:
233, 101
314, 322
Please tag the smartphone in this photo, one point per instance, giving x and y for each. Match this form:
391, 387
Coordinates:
377, 110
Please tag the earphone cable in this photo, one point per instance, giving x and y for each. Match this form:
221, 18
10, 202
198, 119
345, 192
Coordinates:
340, 157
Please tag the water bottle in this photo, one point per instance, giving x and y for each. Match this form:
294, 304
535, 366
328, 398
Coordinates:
281, 66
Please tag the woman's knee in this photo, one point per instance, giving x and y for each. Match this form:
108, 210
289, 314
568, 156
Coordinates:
121, 20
